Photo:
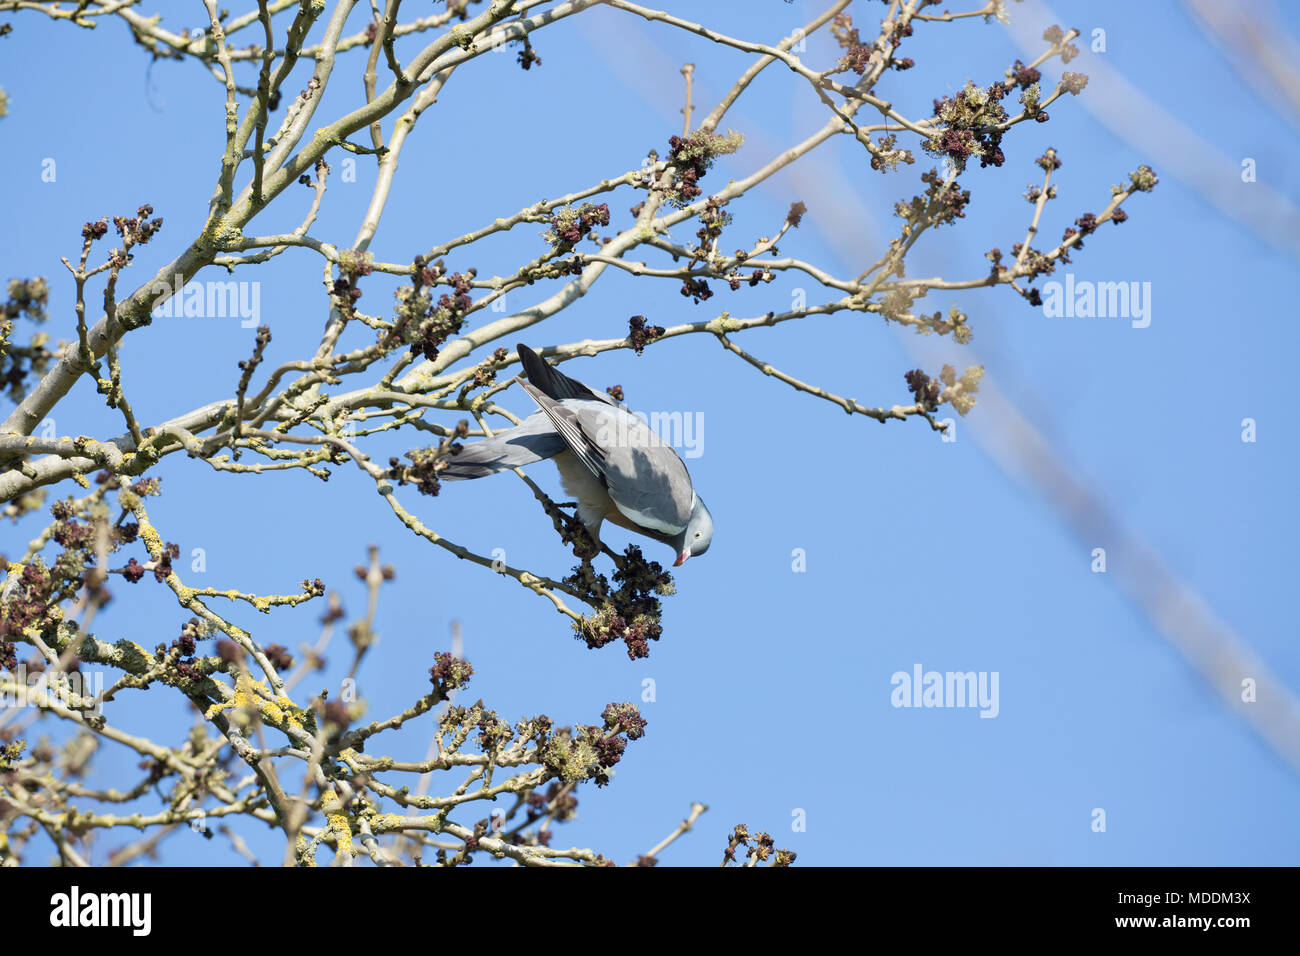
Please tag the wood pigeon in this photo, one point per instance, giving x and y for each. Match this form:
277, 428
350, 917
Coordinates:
610, 461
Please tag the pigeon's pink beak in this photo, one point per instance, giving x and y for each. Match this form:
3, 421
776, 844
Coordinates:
681, 559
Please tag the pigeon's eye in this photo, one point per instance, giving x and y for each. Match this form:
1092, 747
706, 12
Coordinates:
697, 534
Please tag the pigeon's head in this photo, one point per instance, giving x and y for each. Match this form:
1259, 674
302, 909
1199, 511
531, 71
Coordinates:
697, 536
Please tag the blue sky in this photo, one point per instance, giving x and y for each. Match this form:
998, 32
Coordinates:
773, 688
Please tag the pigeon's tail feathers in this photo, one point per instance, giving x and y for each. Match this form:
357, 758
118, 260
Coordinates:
530, 442
551, 381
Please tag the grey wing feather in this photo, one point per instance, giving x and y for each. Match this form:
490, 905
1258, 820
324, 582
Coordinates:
528, 442
551, 381
563, 416
663, 503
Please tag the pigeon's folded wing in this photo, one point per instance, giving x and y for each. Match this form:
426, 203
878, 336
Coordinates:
647, 480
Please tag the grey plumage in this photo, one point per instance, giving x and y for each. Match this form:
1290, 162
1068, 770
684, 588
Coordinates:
610, 461
533, 440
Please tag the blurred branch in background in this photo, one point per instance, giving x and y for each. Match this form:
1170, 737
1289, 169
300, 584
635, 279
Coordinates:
1170, 604
1173, 607
1175, 148
1258, 49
